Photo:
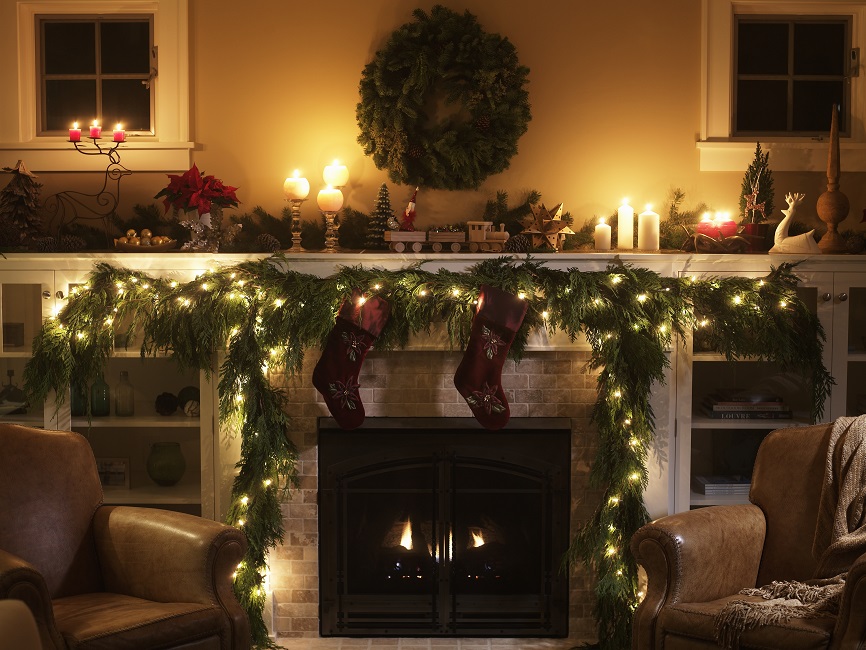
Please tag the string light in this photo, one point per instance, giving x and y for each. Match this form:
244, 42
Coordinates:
245, 500
278, 302
737, 299
545, 314
361, 301
521, 295
455, 292
642, 297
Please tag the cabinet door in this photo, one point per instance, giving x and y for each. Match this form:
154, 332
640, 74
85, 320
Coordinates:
848, 301
716, 442
26, 299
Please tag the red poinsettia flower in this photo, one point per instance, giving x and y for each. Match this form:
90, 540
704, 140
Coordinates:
192, 191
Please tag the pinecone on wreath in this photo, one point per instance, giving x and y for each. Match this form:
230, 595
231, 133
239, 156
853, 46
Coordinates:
483, 123
71, 244
415, 151
45, 244
518, 244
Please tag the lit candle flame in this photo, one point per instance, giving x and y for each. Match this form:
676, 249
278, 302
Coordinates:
477, 539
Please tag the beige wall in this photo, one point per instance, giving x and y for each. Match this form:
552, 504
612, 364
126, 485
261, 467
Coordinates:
614, 88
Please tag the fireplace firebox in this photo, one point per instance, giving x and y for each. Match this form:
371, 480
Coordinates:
438, 527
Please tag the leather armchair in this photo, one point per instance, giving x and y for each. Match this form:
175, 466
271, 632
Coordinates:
698, 561
102, 577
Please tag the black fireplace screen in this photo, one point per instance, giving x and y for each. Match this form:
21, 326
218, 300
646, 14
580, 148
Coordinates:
436, 527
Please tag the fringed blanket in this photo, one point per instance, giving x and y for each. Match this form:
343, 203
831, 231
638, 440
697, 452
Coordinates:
840, 537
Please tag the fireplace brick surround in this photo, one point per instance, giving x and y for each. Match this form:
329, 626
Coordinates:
419, 383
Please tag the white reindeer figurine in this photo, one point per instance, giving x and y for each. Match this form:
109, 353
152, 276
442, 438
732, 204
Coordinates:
804, 243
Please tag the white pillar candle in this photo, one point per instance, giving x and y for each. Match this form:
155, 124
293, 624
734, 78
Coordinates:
336, 175
330, 199
602, 236
296, 188
625, 225
648, 230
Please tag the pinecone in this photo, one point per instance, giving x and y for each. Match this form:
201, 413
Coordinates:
856, 243
45, 244
268, 243
518, 244
483, 123
71, 244
415, 151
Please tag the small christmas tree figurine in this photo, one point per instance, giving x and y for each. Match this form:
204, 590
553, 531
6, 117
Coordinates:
378, 223
19, 207
756, 196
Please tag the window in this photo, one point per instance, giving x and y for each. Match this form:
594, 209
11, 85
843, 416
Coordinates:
96, 68
771, 70
86, 59
789, 73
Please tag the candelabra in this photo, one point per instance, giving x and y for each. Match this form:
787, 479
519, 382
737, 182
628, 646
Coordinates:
330, 201
69, 206
296, 225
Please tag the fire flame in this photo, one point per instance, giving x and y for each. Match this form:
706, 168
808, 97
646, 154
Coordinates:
406, 539
477, 539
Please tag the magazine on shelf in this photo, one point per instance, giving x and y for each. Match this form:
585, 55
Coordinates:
748, 415
748, 406
721, 484
736, 397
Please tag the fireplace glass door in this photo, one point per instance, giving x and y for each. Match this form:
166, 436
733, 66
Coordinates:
434, 527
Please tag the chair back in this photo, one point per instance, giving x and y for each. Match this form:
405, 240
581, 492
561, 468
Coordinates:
786, 485
49, 492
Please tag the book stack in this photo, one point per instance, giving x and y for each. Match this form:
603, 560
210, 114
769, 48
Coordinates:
720, 485
738, 405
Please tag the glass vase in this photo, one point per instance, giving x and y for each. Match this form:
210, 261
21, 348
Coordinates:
100, 398
124, 397
165, 463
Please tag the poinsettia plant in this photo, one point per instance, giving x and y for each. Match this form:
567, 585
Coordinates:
193, 191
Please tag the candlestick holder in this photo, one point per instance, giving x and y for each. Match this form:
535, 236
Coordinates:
332, 229
67, 207
296, 226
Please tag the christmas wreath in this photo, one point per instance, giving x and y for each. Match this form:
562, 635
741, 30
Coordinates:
443, 58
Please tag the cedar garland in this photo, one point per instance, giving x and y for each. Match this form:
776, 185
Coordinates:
265, 316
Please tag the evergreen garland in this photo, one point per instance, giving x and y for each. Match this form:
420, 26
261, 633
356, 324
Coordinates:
378, 223
265, 316
448, 56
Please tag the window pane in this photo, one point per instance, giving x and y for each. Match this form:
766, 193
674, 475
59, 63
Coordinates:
69, 48
762, 48
126, 101
762, 106
125, 47
813, 105
68, 101
819, 48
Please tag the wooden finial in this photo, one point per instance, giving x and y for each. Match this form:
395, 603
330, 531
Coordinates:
833, 205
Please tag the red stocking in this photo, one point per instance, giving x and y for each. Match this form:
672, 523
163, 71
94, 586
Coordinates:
335, 376
479, 375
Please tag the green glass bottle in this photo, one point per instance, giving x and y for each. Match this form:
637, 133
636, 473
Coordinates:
100, 398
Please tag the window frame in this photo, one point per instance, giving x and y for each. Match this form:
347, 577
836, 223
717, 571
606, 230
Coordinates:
167, 149
719, 149
98, 75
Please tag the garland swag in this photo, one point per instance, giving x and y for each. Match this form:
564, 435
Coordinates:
265, 316
444, 56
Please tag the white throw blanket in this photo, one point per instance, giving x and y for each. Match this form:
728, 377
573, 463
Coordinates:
840, 538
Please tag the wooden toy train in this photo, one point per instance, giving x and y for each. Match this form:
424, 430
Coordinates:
482, 237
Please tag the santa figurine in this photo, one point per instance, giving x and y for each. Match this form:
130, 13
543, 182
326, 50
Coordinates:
407, 222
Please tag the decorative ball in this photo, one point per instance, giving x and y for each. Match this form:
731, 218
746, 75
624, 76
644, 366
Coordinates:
191, 408
146, 241
856, 243
166, 403
131, 233
146, 232
188, 393
134, 241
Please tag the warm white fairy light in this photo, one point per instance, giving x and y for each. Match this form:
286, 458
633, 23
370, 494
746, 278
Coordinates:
134, 280
614, 500
278, 302
245, 500
611, 528
616, 279
376, 287
109, 320
173, 284
737, 299
642, 297
633, 442
634, 476
617, 394
663, 328
423, 292
627, 422
521, 295
361, 301
205, 286
267, 482
241, 522
545, 314
783, 303
610, 551
455, 291
80, 335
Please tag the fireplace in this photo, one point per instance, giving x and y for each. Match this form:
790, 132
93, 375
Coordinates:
438, 527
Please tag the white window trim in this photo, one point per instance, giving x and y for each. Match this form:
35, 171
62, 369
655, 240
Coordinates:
168, 150
721, 152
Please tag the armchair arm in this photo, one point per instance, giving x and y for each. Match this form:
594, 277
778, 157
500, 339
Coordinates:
169, 556
696, 556
20, 580
851, 623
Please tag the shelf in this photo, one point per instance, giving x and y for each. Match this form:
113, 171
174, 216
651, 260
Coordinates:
153, 495
699, 422
143, 422
698, 499
30, 419
857, 356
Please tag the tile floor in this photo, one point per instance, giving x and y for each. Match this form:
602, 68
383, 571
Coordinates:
428, 644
